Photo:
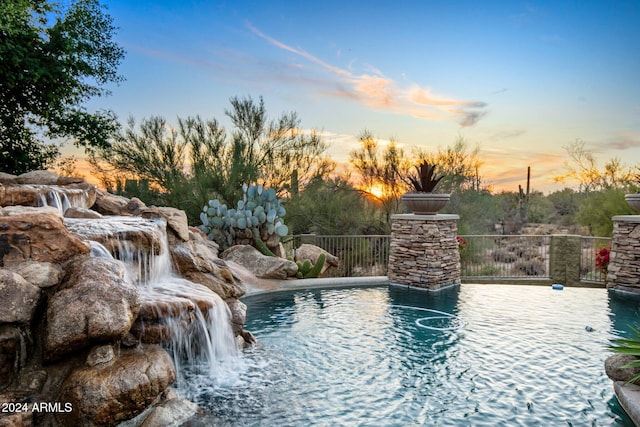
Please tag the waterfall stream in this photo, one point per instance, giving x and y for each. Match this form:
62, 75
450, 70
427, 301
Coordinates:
194, 321
59, 197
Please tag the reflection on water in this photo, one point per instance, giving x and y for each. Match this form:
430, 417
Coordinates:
502, 355
623, 308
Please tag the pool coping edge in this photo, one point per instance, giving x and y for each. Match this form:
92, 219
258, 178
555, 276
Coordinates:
629, 397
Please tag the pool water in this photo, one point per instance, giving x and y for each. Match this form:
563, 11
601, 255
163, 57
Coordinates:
478, 355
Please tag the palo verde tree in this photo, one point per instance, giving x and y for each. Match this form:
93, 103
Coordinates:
459, 164
277, 152
199, 161
383, 169
600, 191
333, 206
584, 170
379, 171
162, 165
52, 60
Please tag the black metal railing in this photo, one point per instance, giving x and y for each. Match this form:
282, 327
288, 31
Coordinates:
483, 256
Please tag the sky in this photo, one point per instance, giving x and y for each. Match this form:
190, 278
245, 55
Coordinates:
520, 79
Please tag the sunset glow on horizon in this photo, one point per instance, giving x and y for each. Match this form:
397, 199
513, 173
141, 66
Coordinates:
520, 79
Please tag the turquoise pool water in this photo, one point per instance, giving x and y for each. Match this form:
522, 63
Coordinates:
481, 355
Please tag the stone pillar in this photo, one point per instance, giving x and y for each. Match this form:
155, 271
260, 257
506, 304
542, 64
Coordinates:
624, 261
424, 251
564, 259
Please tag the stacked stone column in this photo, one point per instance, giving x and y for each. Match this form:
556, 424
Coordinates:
424, 251
624, 261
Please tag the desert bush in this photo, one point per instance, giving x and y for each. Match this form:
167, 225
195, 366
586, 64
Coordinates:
532, 267
504, 255
529, 254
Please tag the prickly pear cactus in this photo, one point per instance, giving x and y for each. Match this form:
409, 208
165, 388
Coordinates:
256, 219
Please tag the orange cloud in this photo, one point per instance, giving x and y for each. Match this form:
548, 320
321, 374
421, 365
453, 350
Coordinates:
422, 96
376, 91
382, 93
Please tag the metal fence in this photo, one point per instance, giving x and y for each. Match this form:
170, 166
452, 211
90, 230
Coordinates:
589, 247
503, 256
360, 255
483, 256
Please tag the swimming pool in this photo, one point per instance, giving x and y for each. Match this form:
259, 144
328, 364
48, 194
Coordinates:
390, 356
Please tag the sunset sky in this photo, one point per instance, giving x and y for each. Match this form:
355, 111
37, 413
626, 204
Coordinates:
521, 79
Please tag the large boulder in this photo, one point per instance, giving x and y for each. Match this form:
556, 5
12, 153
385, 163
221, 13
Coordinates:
45, 177
20, 195
76, 212
173, 411
160, 316
196, 261
81, 195
41, 274
7, 178
96, 306
19, 298
12, 353
312, 252
250, 281
238, 311
263, 266
223, 287
176, 220
195, 255
196, 234
118, 389
614, 367
110, 204
156, 306
168, 307
36, 234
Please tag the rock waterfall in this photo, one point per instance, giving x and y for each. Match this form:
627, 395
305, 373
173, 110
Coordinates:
107, 304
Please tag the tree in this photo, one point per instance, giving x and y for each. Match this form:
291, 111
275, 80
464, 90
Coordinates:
51, 62
380, 171
479, 211
66, 166
583, 168
566, 203
540, 209
459, 165
181, 167
598, 208
274, 151
332, 206
197, 161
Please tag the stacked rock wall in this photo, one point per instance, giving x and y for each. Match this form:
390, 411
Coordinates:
623, 272
424, 251
69, 352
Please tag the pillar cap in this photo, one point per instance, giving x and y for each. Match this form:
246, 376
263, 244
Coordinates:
436, 217
627, 218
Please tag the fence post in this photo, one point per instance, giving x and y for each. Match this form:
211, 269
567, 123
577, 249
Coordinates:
564, 259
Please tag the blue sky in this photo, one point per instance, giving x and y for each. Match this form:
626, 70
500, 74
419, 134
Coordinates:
521, 79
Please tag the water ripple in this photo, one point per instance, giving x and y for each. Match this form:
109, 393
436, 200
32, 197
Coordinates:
481, 355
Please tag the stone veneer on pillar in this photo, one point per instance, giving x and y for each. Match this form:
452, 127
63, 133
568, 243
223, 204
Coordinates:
424, 251
623, 272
